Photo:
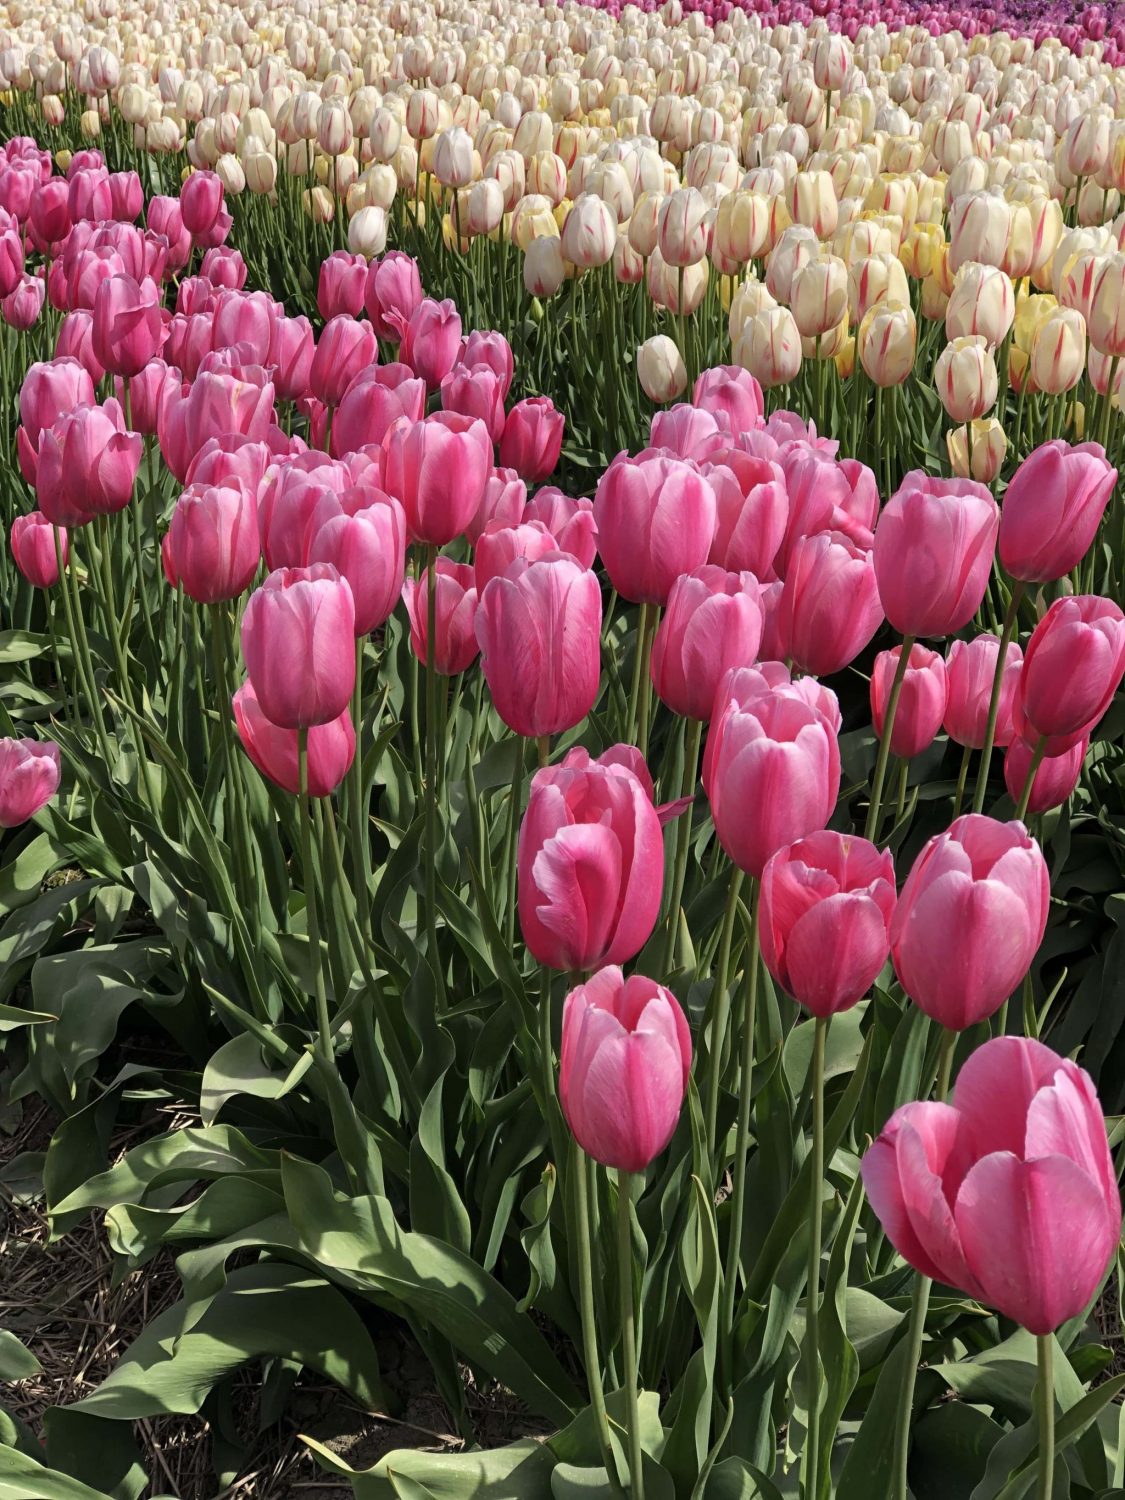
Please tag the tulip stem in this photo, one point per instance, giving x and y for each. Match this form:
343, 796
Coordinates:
962, 777
361, 880
312, 919
741, 1144
875, 808
1029, 780
515, 797
628, 1334
720, 1011
650, 617
80, 646
431, 770
903, 779
586, 1305
683, 839
1045, 1401
237, 829
812, 1294
994, 701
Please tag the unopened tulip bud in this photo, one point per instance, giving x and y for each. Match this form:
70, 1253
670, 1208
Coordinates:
544, 269
589, 233
770, 347
811, 201
886, 341
660, 369
682, 231
966, 379
1105, 318
795, 249
983, 302
977, 450
1058, 351
876, 278
741, 227
819, 297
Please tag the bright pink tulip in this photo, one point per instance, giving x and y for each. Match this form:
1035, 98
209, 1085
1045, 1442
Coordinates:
392, 293
372, 403
1053, 506
76, 341
475, 391
87, 465
829, 608
922, 699
733, 392
505, 499
487, 347
21, 307
217, 404
345, 347
290, 356
90, 195
970, 919
532, 439
623, 1067
752, 511
1007, 1193
367, 548
224, 267
29, 778
1072, 667
245, 320
455, 609
340, 288
11, 261
539, 629
228, 458
32, 540
689, 432
187, 342
213, 543
298, 642
201, 203
970, 667
50, 213
156, 384
126, 196
288, 509
164, 218
49, 390
431, 341
331, 747
570, 521
656, 520
1055, 777
772, 775
591, 863
438, 468
713, 623
825, 496
128, 330
825, 914
933, 553
499, 545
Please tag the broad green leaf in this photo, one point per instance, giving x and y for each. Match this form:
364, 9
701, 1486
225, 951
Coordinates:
520, 1471
237, 1067
16, 1361
23, 1478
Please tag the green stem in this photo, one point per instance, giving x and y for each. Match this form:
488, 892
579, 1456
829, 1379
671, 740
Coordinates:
515, 798
962, 777
1029, 780
741, 1143
237, 832
312, 919
590, 1358
683, 839
900, 798
812, 1295
649, 621
994, 701
361, 878
1045, 1416
639, 665
875, 808
720, 1011
628, 1335
431, 771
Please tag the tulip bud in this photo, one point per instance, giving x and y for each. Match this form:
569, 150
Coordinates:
1105, 317
874, 279
970, 669
660, 369
922, 698
770, 347
982, 302
819, 296
811, 202
589, 233
966, 380
1072, 667
682, 231
29, 777
298, 642
544, 269
977, 450
455, 607
713, 622
886, 342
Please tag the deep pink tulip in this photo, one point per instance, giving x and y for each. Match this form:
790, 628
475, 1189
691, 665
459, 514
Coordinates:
224, 267
126, 196
499, 545
216, 404
29, 778
368, 548
1055, 777
970, 667
656, 520
50, 213
933, 553
689, 432
772, 774
148, 392
623, 1067
372, 403
970, 919
713, 623
431, 341
341, 285
87, 465
21, 307
438, 469
475, 391
231, 457
290, 356
455, 609
76, 341
922, 699
11, 261
392, 293
487, 347
1052, 509
732, 391
298, 642
591, 863
128, 330
569, 519
90, 195
752, 510
539, 626
244, 320
201, 204
187, 343
273, 749
32, 540
294, 500
51, 388
345, 347
1008, 1192
213, 545
194, 296
505, 500
1072, 667
825, 915
164, 218
829, 608
825, 496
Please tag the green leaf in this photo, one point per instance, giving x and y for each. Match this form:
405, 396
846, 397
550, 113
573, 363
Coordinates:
23, 1478
520, 1471
16, 1361
735, 1480
950, 1445
839, 1360
95, 1451
236, 1068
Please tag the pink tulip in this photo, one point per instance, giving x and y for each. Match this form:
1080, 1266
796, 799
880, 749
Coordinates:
29, 778
11, 261
591, 864
232, 457
49, 390
392, 293
505, 500
217, 404
570, 521
475, 391
340, 288
539, 629
499, 545
298, 642
244, 320
713, 622
148, 392
87, 465
90, 195
32, 540
1053, 506
345, 347
623, 1067
933, 553
455, 608
224, 267
368, 548
187, 342
489, 348
201, 204
1072, 667
213, 546
824, 496
689, 432
970, 919
126, 196
164, 218
825, 914
532, 439
829, 608
733, 392
922, 699
128, 330
772, 774
656, 520
372, 403
1008, 1193
970, 667
1055, 777
431, 341
331, 747
290, 356
752, 508
76, 341
21, 307
50, 213
291, 497
438, 468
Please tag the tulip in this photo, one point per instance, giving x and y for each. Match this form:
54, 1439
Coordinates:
216, 404
127, 330
224, 267
921, 703
393, 292
752, 508
966, 379
933, 553
438, 470
591, 863
298, 633
829, 607
589, 232
1072, 666
970, 919
770, 347
826, 904
970, 669
21, 307
87, 465
570, 521
1008, 1192
661, 369
656, 519
1052, 508
341, 285
32, 540
687, 432
273, 749
977, 450
682, 228
475, 391
455, 608
1058, 351
772, 774
623, 1067
345, 347
982, 302
713, 623
368, 549
532, 439
201, 204
1055, 777
29, 777
49, 390
539, 629
505, 499
498, 546
431, 341
244, 320
731, 392
486, 347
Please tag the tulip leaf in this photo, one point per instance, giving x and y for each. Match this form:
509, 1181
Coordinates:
520, 1471
16, 1361
24, 1478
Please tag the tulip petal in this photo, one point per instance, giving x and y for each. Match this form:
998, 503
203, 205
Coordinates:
1065, 1119
578, 873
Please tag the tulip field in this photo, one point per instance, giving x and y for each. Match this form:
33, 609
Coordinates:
562, 762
